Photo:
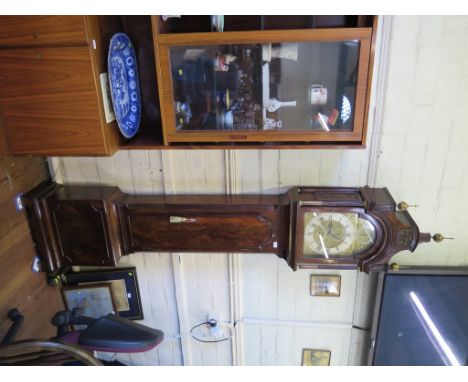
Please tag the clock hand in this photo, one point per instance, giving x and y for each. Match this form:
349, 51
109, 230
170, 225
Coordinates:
322, 226
323, 246
329, 228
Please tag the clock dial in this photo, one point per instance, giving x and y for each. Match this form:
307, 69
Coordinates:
365, 235
336, 234
328, 234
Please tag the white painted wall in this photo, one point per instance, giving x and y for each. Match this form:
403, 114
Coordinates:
424, 152
421, 158
274, 313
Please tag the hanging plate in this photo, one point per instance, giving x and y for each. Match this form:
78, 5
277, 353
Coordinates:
124, 85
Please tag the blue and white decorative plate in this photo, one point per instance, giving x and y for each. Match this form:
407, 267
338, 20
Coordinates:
124, 85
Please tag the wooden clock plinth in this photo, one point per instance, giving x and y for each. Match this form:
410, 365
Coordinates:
309, 227
75, 225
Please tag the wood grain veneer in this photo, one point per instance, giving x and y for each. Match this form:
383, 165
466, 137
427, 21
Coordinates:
49, 102
42, 30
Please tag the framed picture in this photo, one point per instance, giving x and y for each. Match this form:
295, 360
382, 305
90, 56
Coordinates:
93, 300
314, 357
325, 285
123, 283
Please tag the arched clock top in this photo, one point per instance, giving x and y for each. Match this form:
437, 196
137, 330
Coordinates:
325, 227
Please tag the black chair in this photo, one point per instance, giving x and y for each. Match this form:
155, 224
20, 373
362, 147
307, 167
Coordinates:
108, 334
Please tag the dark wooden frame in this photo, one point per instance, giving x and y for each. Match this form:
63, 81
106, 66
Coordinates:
128, 274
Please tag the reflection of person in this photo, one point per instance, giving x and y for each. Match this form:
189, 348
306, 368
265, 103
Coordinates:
222, 62
203, 83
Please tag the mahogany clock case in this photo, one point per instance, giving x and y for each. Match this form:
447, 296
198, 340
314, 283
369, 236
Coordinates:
97, 225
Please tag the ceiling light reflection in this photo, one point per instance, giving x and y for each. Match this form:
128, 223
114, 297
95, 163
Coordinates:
434, 330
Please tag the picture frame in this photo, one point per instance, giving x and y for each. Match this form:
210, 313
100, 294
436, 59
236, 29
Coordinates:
325, 285
316, 357
123, 283
94, 300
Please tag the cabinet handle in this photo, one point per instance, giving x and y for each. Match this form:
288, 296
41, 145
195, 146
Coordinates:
180, 219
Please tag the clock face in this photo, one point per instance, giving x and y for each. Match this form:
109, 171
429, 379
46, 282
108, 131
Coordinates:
336, 234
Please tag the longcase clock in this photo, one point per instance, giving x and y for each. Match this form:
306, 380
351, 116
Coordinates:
309, 227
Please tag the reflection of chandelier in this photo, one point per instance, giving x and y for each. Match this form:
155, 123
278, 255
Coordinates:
345, 109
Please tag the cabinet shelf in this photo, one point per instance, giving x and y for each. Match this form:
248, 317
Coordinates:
202, 23
140, 32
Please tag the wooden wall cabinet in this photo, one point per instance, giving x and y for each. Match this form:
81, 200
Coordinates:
308, 227
262, 98
265, 82
51, 100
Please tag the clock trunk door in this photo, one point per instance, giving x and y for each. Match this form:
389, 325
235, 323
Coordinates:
199, 230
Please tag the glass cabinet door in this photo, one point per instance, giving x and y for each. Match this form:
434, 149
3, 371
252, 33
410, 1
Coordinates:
289, 90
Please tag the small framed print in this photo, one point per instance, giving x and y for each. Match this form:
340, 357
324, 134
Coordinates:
94, 300
314, 357
123, 283
325, 285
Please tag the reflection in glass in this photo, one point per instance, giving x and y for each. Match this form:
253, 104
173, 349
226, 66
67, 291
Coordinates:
281, 86
433, 331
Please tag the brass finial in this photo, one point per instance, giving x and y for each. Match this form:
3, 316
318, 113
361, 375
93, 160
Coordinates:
403, 206
395, 267
438, 237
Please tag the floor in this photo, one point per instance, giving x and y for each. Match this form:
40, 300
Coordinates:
19, 286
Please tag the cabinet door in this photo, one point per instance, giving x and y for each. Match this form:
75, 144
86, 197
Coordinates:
287, 86
181, 230
48, 102
42, 30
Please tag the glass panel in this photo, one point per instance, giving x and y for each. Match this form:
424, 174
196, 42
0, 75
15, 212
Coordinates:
333, 234
302, 87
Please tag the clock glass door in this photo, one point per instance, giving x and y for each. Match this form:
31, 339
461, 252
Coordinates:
336, 234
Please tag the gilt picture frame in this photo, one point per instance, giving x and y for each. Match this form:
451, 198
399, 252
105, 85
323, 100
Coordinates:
325, 285
316, 357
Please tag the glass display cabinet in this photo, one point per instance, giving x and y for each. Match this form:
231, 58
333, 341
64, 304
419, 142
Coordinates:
302, 85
